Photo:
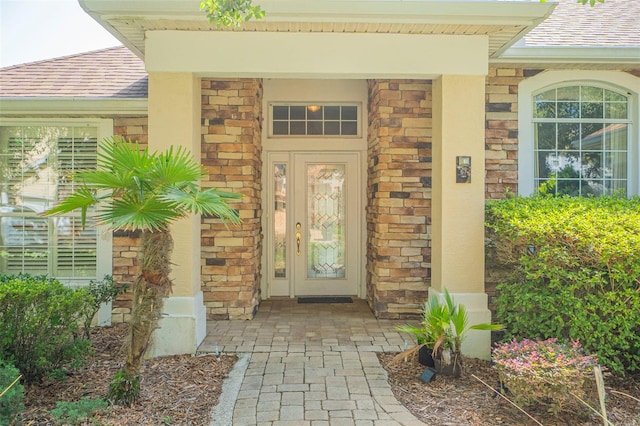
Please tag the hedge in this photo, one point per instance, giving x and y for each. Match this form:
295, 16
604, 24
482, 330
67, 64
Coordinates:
574, 272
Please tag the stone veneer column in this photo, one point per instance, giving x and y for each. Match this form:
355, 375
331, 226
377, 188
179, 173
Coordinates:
501, 147
174, 120
126, 243
231, 153
458, 208
399, 196
501, 130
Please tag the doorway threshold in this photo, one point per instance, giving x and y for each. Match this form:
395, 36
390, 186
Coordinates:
325, 300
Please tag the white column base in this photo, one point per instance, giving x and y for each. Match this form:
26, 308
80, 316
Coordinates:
182, 328
477, 343
103, 317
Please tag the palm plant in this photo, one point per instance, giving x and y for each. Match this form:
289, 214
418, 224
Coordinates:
443, 328
134, 189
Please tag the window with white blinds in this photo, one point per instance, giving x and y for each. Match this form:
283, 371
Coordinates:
36, 164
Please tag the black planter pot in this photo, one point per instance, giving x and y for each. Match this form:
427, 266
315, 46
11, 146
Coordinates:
425, 357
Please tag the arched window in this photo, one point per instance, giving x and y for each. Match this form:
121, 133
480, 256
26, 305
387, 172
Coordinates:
577, 137
581, 137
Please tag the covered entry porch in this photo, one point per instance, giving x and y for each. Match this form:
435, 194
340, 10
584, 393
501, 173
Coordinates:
206, 90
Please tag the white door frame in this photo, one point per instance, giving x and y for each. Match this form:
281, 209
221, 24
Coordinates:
279, 149
285, 287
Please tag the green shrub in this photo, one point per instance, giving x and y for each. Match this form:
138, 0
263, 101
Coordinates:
12, 399
40, 325
77, 413
574, 272
100, 291
544, 372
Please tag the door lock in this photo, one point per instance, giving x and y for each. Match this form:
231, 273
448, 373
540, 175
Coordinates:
298, 237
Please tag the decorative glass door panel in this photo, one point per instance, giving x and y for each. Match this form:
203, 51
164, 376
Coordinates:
325, 220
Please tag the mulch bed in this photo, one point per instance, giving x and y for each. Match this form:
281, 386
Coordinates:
465, 401
175, 390
182, 390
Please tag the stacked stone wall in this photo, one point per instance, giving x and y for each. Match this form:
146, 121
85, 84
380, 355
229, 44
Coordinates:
501, 131
125, 243
398, 196
231, 154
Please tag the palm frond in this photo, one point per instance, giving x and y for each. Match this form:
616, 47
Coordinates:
485, 326
82, 199
207, 202
116, 154
449, 300
174, 167
459, 319
410, 329
104, 180
405, 354
129, 213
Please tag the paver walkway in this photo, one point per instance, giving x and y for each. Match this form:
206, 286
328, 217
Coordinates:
312, 364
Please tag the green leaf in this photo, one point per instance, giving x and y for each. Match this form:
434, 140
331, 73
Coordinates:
105, 180
128, 213
118, 155
230, 13
175, 168
208, 202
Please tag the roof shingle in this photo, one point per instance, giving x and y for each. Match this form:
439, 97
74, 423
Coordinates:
107, 73
614, 23
116, 73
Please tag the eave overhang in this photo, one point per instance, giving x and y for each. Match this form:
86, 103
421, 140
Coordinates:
504, 22
571, 57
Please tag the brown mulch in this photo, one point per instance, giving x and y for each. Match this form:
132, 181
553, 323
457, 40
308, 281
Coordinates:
175, 390
182, 390
466, 401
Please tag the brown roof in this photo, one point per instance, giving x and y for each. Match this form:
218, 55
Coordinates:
108, 73
117, 73
614, 23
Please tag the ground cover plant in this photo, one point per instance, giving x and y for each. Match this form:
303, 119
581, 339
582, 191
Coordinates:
571, 271
78, 412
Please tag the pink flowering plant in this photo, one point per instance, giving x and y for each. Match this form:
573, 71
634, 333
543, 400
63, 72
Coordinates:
544, 372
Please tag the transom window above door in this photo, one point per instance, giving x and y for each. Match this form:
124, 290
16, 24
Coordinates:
313, 120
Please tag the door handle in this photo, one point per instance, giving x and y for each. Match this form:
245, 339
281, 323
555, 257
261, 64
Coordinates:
298, 237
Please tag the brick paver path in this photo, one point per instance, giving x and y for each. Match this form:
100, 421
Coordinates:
312, 364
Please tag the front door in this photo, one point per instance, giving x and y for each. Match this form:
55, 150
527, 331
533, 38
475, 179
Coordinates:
316, 224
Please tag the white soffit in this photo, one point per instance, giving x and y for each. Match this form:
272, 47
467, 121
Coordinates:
504, 22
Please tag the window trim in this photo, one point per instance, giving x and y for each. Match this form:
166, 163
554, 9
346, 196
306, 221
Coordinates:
104, 240
614, 80
359, 119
